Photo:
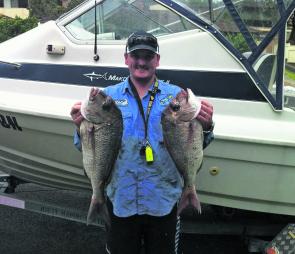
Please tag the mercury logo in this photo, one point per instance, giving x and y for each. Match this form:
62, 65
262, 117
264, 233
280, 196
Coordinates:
9, 122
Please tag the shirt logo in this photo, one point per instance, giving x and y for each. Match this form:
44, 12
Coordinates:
121, 102
166, 100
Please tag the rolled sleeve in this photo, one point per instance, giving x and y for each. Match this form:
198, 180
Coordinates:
208, 138
77, 141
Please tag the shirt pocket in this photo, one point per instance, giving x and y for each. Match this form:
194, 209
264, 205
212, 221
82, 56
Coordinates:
155, 124
127, 123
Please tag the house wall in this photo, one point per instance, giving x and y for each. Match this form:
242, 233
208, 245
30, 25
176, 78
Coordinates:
14, 3
13, 8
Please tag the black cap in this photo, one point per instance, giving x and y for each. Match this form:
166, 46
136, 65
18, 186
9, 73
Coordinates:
142, 40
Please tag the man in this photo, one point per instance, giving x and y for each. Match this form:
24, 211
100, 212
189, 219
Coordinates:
143, 196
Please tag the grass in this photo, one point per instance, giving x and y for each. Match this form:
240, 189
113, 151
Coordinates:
290, 74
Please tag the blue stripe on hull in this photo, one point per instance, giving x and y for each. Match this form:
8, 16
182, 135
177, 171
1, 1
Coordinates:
229, 85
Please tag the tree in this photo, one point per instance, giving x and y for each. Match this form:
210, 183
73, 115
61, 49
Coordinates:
73, 3
12, 27
40, 10
291, 39
45, 10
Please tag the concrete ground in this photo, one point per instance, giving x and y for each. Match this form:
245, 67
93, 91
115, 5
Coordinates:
27, 232
24, 232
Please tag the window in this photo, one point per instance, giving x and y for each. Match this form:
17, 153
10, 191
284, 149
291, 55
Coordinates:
23, 3
289, 72
117, 19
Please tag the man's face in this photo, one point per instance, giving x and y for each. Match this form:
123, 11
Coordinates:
142, 64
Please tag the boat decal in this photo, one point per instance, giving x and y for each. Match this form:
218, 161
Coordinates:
228, 85
9, 122
105, 76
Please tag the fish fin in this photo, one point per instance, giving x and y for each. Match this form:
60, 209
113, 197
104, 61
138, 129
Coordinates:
91, 128
90, 139
98, 210
188, 198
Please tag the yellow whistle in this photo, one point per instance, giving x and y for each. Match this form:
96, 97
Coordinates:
149, 157
291, 234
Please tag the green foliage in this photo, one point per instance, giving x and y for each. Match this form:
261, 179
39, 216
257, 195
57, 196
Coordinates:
12, 27
45, 10
238, 41
40, 10
73, 4
290, 74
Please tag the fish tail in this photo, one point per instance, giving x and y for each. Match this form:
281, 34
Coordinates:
98, 210
105, 215
188, 198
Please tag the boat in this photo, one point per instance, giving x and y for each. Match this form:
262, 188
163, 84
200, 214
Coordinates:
230, 52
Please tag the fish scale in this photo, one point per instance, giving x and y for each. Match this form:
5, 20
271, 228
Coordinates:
179, 141
106, 139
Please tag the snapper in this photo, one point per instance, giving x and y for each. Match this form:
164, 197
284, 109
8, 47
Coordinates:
101, 134
183, 138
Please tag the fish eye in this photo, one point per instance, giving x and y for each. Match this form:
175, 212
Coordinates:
175, 106
106, 105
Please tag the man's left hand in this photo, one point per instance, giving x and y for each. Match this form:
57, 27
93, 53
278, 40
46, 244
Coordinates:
205, 115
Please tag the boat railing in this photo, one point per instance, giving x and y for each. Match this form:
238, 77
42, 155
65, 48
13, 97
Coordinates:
240, 26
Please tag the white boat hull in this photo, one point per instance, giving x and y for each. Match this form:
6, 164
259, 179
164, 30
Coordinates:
252, 176
247, 166
45, 155
40, 149
250, 164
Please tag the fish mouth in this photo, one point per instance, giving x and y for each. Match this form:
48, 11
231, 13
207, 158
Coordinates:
94, 92
179, 110
183, 94
102, 93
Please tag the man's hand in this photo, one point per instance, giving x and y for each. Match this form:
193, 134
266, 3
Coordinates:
76, 114
205, 115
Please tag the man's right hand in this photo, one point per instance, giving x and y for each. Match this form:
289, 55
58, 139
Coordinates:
76, 114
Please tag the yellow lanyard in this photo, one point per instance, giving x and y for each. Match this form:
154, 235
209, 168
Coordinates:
146, 148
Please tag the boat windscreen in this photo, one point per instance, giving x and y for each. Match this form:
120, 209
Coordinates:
145, 15
252, 30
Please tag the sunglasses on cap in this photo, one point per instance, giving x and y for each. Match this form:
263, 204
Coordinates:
142, 42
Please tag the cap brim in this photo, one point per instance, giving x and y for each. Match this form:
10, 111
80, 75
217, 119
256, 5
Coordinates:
142, 46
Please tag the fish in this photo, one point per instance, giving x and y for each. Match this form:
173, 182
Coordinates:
100, 134
183, 138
